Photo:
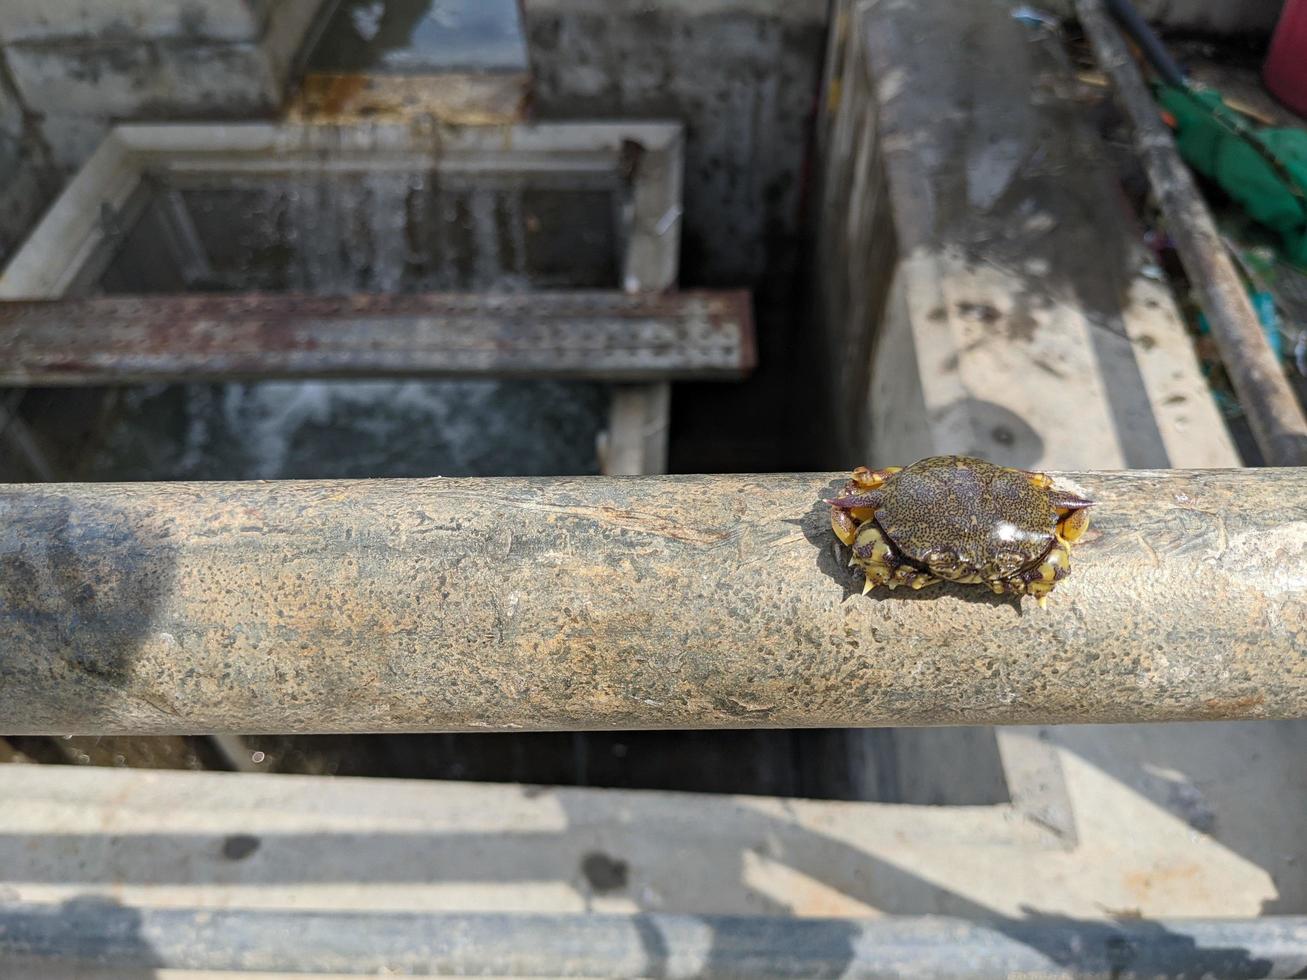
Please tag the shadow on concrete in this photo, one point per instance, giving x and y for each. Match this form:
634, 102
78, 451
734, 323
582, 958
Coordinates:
81, 585
102, 932
90, 933
1240, 783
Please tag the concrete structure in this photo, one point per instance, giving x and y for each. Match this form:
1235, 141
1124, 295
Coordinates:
984, 289
1144, 842
79, 66
743, 76
500, 213
985, 292
1075, 823
28, 178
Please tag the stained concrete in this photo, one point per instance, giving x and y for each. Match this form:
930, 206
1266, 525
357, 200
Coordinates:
743, 77
267, 841
79, 66
133, 20
1007, 281
28, 178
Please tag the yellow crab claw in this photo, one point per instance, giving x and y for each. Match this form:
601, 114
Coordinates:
1043, 602
1072, 526
868, 585
844, 525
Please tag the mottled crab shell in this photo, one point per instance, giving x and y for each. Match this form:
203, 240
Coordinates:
959, 516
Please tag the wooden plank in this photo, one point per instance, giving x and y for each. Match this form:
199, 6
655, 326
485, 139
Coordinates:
597, 335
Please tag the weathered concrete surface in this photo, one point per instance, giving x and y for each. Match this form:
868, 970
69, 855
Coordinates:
80, 66
652, 945
486, 209
220, 20
669, 602
980, 280
743, 76
27, 176
162, 839
1049, 294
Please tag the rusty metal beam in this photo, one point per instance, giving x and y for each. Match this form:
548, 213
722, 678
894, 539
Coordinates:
1277, 419
597, 335
592, 603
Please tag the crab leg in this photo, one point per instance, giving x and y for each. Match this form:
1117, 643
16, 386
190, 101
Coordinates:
871, 479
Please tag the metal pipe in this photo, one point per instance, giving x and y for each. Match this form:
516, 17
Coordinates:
112, 936
592, 603
1276, 417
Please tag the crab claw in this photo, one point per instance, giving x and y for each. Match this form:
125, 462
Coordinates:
868, 585
1066, 500
870, 500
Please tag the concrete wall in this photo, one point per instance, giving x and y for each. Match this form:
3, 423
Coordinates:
28, 181
80, 65
978, 273
742, 75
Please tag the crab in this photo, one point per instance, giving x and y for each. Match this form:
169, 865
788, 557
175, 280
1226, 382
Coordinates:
959, 519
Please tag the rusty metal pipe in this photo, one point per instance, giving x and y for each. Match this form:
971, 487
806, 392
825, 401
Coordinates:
1277, 419
589, 603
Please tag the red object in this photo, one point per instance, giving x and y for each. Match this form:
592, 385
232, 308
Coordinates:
1285, 72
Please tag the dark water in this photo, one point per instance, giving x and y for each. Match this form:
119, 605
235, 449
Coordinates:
329, 232
352, 430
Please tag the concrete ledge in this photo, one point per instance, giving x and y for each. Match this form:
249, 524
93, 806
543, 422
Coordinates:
985, 290
132, 20
216, 59
261, 841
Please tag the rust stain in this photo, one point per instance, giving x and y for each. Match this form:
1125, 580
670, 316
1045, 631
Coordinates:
1233, 708
451, 98
1142, 885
